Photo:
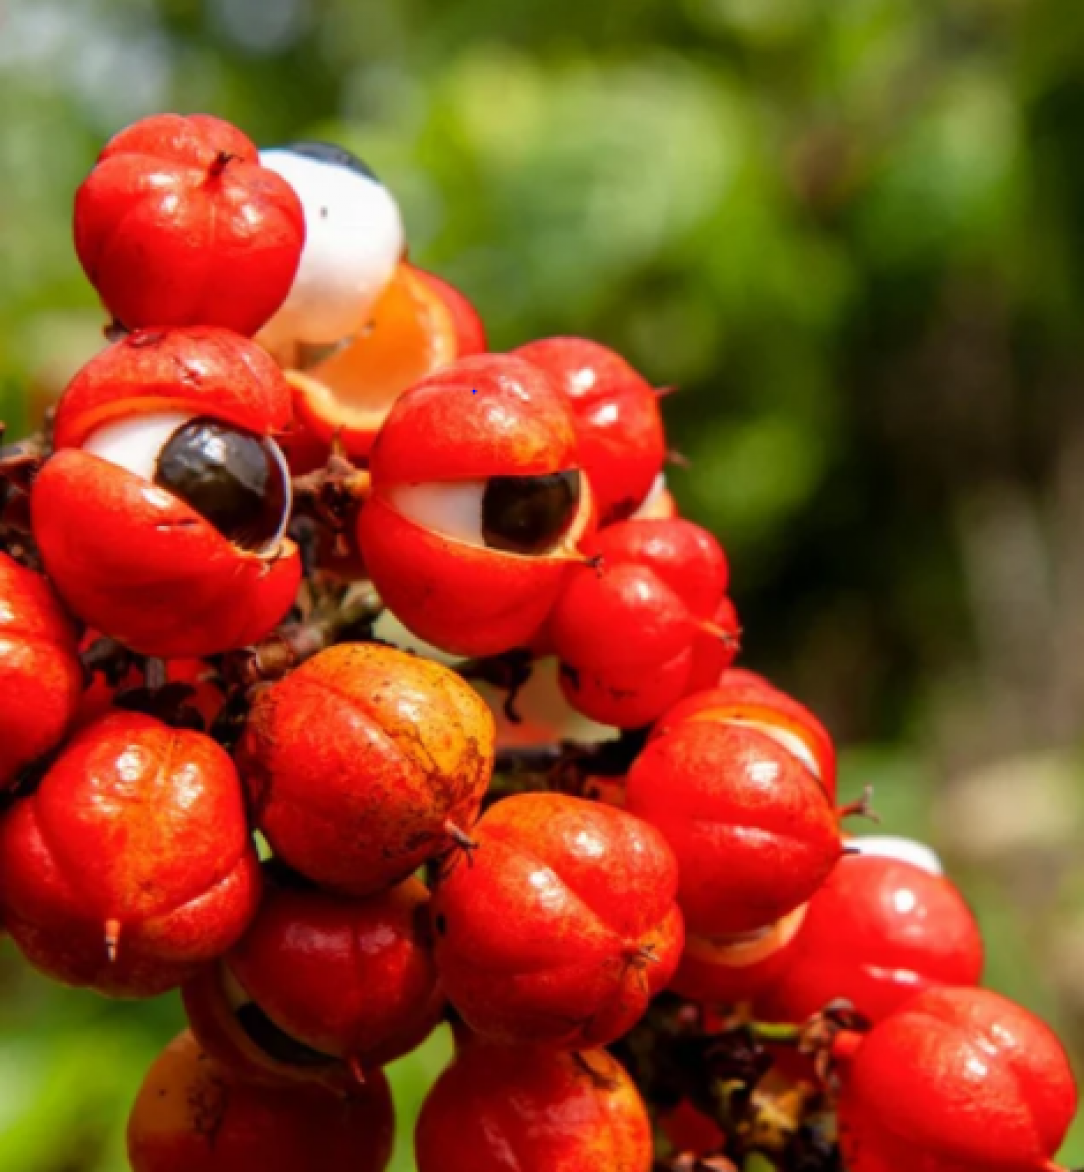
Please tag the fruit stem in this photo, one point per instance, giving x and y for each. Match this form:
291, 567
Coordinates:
220, 163
863, 808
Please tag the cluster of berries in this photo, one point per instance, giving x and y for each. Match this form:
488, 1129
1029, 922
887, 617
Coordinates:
291, 418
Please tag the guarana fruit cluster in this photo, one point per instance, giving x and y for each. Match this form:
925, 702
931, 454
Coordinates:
660, 950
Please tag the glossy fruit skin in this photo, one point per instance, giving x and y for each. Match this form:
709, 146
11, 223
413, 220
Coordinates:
355, 762
584, 895
622, 443
628, 632
522, 1107
178, 224
206, 370
956, 1080
754, 833
133, 560
351, 978
490, 415
878, 931
41, 680
192, 1115
136, 824
744, 703
419, 325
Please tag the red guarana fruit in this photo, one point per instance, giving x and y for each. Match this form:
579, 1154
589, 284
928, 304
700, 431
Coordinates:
635, 632
754, 832
352, 981
622, 443
193, 1115
160, 517
130, 866
419, 325
767, 710
364, 763
588, 929
524, 1107
477, 505
178, 224
41, 680
955, 1080
878, 931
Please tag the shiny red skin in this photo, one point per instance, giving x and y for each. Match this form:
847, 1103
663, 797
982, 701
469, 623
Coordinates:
498, 1108
622, 443
956, 1080
739, 700
877, 932
754, 833
137, 563
464, 598
470, 330
712, 655
178, 224
41, 680
350, 978
132, 560
620, 616
628, 632
515, 423
356, 761
192, 1115
582, 893
201, 369
684, 555
138, 824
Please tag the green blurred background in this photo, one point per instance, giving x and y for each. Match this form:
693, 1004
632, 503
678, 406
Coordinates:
851, 232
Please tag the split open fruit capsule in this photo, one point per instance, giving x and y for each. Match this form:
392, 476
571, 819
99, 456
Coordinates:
161, 517
478, 505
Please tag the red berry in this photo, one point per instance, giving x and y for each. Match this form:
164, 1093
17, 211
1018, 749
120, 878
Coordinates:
193, 1115
630, 633
41, 680
352, 979
419, 325
178, 224
956, 1080
362, 763
878, 931
767, 710
620, 431
498, 1108
161, 517
130, 866
561, 926
477, 505
754, 832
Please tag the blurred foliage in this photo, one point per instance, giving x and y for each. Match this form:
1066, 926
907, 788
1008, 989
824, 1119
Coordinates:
852, 233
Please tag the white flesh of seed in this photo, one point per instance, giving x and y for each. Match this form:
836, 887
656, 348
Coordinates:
452, 508
907, 850
135, 443
354, 241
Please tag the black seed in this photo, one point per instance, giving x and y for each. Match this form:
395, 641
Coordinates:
528, 514
276, 1043
336, 156
229, 476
